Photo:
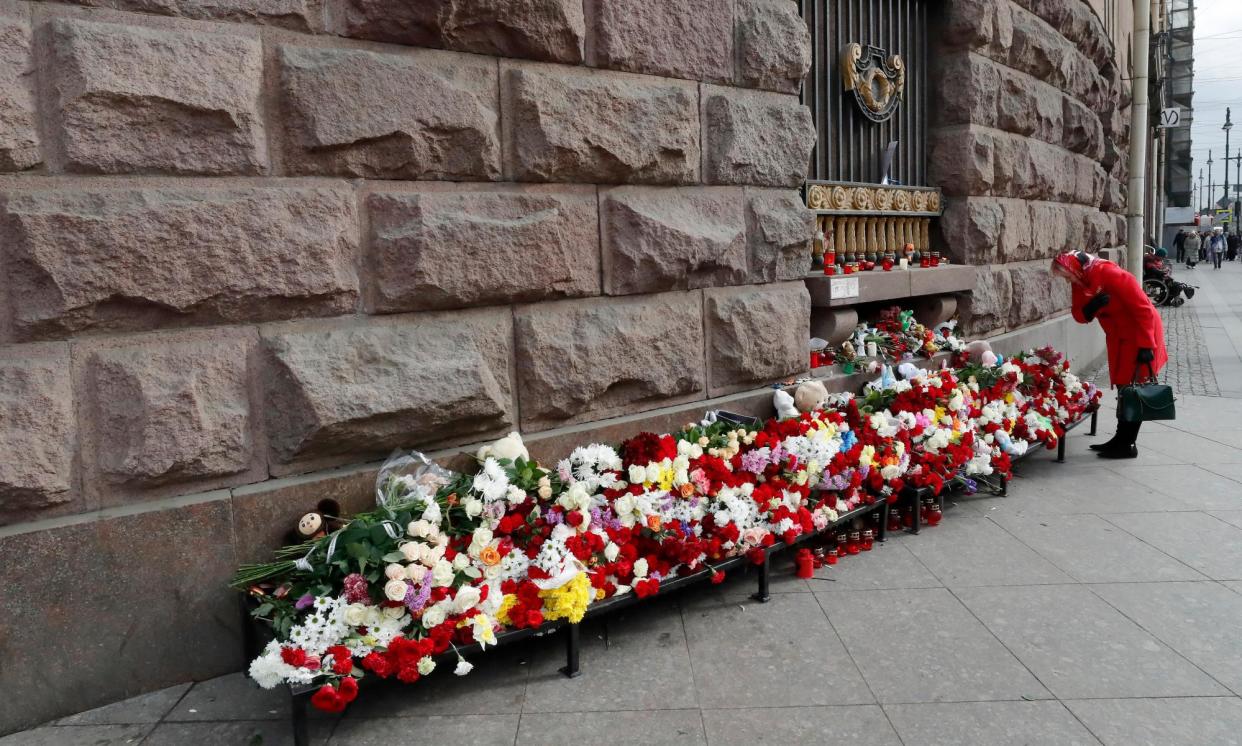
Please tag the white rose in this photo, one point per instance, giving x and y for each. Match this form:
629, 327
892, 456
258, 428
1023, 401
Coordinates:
395, 590
413, 551
432, 513
640, 568
394, 571
472, 506
624, 505
653, 473
432, 555
419, 529
461, 562
638, 474
356, 615
467, 598
416, 573
545, 491
442, 573
611, 551
393, 612
434, 616
426, 665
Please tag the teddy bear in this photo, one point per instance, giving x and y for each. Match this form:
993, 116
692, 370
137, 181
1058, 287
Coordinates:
980, 352
810, 396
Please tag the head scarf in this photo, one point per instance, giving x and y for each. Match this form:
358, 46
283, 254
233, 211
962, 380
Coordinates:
1075, 263
1162, 252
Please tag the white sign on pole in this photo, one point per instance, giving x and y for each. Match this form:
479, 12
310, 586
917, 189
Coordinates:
1171, 117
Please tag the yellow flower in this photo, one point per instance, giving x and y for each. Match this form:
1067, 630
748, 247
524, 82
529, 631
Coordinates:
506, 603
569, 601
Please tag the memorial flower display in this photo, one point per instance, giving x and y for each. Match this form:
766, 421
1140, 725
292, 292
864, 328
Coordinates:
447, 559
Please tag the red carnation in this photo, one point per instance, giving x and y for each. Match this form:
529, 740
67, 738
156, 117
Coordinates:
295, 657
328, 700
718, 577
342, 659
348, 689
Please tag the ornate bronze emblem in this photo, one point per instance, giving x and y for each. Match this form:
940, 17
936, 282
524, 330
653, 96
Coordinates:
878, 82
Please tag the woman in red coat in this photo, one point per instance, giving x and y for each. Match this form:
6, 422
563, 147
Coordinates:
1132, 329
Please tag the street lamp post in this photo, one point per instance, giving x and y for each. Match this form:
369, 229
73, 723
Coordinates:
1211, 184
1228, 126
1200, 191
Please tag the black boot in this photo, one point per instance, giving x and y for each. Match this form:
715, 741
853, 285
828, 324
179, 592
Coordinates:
1123, 444
1105, 445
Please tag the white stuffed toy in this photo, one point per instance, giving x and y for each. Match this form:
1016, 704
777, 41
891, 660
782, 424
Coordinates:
810, 396
909, 371
784, 404
980, 351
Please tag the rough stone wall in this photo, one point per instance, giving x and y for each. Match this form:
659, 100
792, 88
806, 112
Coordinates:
1029, 146
251, 247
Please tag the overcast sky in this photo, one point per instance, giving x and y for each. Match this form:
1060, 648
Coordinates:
1218, 83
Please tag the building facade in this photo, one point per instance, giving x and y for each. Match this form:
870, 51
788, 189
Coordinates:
251, 248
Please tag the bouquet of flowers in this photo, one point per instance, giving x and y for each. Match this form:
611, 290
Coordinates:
448, 559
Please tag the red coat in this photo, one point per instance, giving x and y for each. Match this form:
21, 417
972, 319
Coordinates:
1129, 320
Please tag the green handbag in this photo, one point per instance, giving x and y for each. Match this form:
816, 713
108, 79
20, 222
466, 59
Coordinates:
1140, 402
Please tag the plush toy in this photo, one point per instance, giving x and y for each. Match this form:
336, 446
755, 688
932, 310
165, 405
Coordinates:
784, 404
317, 523
980, 352
810, 396
909, 371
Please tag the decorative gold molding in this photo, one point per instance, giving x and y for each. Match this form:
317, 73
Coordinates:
878, 82
850, 197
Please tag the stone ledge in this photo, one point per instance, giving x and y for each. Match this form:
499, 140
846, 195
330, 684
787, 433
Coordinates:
895, 285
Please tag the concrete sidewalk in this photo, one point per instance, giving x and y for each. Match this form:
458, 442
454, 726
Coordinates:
1098, 603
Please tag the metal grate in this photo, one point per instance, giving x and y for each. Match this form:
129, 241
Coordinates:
849, 146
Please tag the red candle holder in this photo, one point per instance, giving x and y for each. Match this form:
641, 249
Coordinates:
935, 259
888, 265
925, 262
849, 269
830, 257
853, 544
831, 556
806, 563
934, 514
894, 518
868, 540
830, 269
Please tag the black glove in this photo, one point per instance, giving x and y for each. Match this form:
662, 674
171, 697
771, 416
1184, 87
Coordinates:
1094, 305
1146, 355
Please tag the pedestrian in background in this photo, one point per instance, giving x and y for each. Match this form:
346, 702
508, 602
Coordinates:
1231, 241
1191, 249
1133, 331
1179, 243
1216, 246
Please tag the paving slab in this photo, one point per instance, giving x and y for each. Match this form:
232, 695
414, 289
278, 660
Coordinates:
249, 733
1198, 620
1079, 646
922, 645
887, 566
1092, 550
1232, 517
972, 550
1204, 542
145, 708
1191, 485
640, 728
80, 735
1185, 721
857, 725
636, 660
782, 653
477, 730
992, 723
1097, 489
231, 697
